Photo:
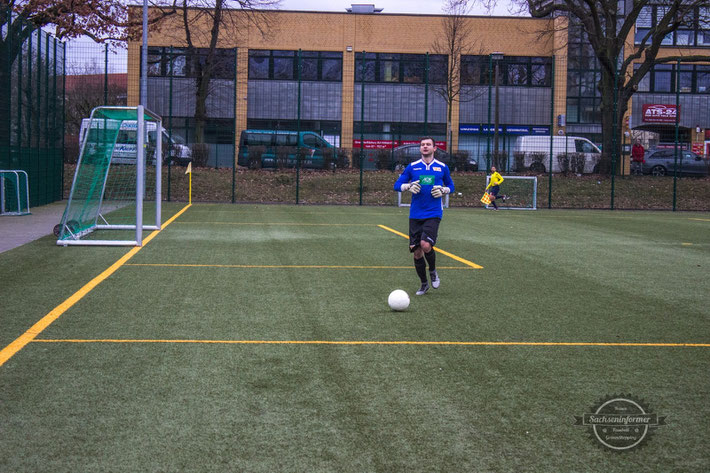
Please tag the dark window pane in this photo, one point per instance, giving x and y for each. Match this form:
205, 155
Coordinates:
662, 81
368, 68
258, 67
389, 71
283, 68
517, 74
332, 69
573, 110
438, 69
540, 75
413, 72
309, 69
703, 79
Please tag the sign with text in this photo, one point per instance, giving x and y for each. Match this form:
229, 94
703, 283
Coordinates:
660, 113
389, 144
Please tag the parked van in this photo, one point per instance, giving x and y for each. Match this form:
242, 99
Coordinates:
263, 148
537, 152
124, 151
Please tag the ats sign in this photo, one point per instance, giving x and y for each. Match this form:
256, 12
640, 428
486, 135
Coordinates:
659, 113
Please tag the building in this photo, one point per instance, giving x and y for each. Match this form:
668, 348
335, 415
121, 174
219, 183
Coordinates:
373, 76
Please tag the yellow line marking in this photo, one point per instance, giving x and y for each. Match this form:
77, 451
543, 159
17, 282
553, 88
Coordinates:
439, 250
374, 342
280, 266
20, 342
686, 244
700, 219
284, 224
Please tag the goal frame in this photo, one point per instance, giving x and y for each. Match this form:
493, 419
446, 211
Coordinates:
139, 227
534, 194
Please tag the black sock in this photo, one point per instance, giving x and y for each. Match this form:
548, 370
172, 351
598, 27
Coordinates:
494, 204
420, 266
431, 259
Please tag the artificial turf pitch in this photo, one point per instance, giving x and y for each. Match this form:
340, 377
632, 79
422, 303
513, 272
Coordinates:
258, 338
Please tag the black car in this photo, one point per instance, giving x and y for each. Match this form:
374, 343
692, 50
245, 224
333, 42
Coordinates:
662, 161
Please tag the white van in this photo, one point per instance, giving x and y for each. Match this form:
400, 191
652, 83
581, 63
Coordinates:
537, 151
124, 152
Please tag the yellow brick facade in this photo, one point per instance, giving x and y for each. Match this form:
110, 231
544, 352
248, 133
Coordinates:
351, 33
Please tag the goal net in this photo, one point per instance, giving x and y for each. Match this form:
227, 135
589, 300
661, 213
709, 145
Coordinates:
520, 192
117, 182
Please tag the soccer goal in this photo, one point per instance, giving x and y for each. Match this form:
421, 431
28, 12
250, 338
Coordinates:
14, 193
520, 192
116, 186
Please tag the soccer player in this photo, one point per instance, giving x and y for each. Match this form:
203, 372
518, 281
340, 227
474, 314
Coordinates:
428, 180
494, 186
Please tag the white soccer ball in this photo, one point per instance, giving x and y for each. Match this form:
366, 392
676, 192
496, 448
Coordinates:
398, 300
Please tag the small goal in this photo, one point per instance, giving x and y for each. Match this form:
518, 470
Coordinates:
520, 192
115, 188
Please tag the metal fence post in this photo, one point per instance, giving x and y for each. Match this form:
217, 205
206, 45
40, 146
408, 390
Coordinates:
552, 136
614, 128
675, 141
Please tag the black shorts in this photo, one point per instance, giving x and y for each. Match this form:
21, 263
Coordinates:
494, 190
423, 229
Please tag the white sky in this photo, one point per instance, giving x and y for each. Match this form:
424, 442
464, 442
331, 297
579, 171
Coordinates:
432, 7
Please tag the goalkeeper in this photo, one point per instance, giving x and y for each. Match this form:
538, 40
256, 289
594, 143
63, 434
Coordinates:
428, 180
493, 187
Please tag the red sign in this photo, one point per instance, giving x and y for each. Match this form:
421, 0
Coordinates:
389, 144
660, 113
698, 147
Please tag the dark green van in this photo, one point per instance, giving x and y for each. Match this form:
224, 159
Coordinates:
281, 148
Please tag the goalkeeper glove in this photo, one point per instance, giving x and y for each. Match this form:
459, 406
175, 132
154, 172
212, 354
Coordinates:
412, 187
438, 191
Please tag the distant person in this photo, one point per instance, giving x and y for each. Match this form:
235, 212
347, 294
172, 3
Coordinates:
428, 180
493, 187
637, 157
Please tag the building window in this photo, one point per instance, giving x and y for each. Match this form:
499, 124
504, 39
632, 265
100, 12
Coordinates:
283, 65
400, 68
182, 62
694, 29
665, 78
520, 71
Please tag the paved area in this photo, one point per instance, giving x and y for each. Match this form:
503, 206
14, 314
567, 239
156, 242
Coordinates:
18, 230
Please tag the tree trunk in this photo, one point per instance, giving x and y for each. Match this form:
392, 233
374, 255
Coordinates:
612, 123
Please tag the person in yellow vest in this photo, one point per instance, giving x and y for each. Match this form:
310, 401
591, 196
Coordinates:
493, 187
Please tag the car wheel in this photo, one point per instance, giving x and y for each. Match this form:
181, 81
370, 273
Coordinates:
658, 171
537, 167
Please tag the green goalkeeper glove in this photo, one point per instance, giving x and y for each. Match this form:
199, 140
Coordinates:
412, 187
438, 191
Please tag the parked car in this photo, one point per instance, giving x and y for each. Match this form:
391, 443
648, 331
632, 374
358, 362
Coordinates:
661, 162
405, 154
537, 152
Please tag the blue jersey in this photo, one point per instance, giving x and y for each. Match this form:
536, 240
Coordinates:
429, 175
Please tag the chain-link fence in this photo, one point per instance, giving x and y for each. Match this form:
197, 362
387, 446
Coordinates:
305, 126
31, 106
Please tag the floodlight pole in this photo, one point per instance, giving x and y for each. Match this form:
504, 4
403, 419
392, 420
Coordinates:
144, 58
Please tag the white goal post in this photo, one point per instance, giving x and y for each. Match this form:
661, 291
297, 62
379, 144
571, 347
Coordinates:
109, 189
520, 192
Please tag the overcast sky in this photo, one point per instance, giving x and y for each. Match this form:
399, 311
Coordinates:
432, 7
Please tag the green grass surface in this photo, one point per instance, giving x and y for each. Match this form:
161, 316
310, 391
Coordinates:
142, 401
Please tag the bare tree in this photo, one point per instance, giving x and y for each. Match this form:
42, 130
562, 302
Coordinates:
608, 28
454, 41
207, 23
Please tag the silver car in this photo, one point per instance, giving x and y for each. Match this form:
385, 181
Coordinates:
662, 162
